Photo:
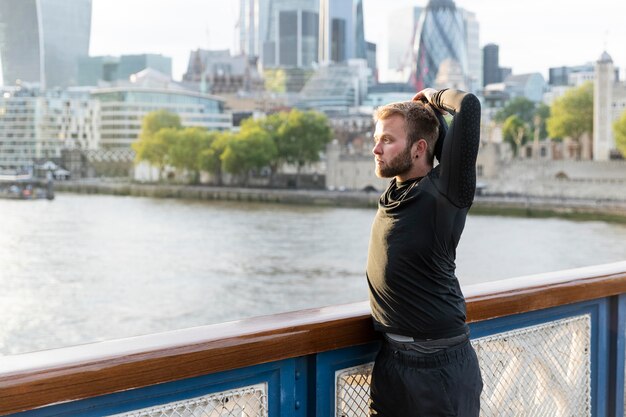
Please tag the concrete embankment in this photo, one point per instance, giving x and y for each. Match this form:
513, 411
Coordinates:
302, 197
509, 205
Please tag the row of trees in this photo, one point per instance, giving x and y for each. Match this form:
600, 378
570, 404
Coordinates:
293, 137
569, 116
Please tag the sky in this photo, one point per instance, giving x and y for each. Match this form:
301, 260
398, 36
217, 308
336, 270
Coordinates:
533, 34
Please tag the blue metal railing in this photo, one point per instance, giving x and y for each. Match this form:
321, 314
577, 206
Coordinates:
579, 330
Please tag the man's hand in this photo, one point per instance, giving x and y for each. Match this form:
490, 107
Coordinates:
426, 95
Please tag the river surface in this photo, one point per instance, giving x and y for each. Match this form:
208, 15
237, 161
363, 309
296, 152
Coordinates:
87, 268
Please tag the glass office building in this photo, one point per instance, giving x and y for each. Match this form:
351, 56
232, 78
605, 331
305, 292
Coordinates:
298, 33
42, 40
441, 37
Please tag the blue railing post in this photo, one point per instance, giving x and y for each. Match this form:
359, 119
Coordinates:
617, 355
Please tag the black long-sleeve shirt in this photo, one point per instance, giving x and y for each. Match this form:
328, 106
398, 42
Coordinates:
411, 259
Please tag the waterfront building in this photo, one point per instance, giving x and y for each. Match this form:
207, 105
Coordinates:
217, 72
123, 107
93, 70
609, 103
37, 125
42, 40
447, 34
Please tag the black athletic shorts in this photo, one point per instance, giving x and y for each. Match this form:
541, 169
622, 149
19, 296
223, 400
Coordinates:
410, 384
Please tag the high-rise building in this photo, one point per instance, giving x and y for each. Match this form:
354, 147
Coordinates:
446, 34
474, 58
299, 33
372, 63
42, 40
342, 34
403, 25
491, 64
288, 32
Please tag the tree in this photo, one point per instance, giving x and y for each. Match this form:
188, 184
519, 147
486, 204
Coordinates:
155, 148
186, 151
520, 107
252, 148
157, 120
542, 113
619, 130
211, 157
150, 146
516, 132
302, 138
572, 114
270, 124
275, 80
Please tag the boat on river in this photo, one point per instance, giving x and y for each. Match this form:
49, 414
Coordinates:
25, 187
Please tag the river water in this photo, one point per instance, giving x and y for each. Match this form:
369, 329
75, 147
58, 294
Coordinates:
89, 268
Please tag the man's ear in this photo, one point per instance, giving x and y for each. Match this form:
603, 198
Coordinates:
420, 148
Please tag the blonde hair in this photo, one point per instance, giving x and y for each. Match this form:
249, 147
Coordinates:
420, 122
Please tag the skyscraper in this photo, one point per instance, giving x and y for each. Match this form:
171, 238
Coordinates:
342, 34
42, 40
298, 33
446, 35
402, 24
491, 64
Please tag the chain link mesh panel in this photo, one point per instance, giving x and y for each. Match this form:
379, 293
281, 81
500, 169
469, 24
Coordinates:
538, 371
352, 391
248, 401
542, 370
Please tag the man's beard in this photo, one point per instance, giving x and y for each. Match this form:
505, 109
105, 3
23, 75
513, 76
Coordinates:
397, 166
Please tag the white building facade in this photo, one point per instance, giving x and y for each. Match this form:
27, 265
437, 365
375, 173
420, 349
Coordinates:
37, 126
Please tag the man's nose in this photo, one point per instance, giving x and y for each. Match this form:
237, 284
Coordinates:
377, 149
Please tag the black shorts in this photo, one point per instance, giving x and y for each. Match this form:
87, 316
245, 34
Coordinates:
409, 384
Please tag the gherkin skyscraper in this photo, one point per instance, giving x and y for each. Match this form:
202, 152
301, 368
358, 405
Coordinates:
440, 48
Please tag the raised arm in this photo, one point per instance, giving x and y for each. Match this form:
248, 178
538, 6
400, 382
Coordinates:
457, 176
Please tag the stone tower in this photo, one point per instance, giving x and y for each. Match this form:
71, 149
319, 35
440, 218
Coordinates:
602, 108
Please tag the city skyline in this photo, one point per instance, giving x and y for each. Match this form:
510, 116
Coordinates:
525, 47
548, 42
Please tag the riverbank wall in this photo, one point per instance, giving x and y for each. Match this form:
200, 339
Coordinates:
202, 192
488, 204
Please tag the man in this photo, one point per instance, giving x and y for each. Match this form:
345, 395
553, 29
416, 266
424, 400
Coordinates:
426, 366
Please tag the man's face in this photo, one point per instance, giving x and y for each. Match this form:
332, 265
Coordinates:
392, 155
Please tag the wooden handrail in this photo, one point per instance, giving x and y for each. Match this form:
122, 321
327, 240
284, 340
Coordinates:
37, 379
